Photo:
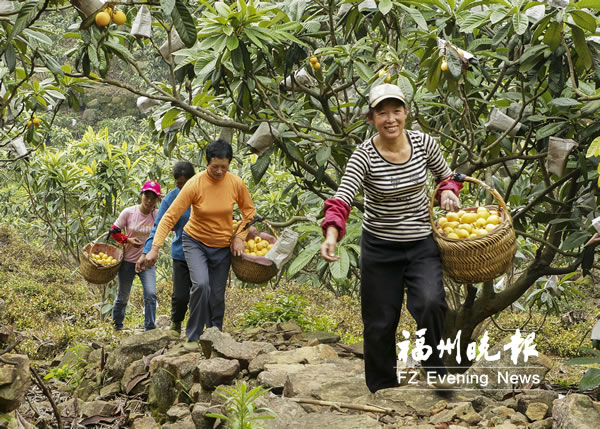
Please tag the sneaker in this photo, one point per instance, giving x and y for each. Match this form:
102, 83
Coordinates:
176, 326
192, 346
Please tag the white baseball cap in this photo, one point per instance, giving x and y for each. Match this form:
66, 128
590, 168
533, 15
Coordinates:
381, 92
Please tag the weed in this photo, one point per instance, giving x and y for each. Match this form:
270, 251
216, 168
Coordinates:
240, 408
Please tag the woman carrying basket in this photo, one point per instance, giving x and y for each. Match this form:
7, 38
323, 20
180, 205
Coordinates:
397, 247
137, 222
182, 172
207, 242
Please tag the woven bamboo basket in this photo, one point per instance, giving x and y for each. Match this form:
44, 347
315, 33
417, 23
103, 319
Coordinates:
478, 259
255, 269
95, 272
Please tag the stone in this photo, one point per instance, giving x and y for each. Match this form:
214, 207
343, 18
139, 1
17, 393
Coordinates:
89, 115
111, 389
75, 356
537, 395
320, 353
496, 378
286, 411
320, 336
506, 425
198, 394
135, 347
575, 411
518, 419
289, 328
536, 411
8, 374
223, 345
199, 418
70, 408
340, 381
88, 389
542, 424
170, 375
97, 408
145, 422
216, 371
275, 375
17, 370
186, 423
501, 411
335, 421
178, 412
135, 370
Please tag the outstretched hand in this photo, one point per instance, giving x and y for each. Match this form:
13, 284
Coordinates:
329, 245
449, 201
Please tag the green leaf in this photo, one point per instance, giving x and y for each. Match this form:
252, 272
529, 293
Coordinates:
520, 23
304, 258
260, 167
594, 149
339, 269
364, 71
385, 6
590, 379
26, 14
222, 9
552, 36
434, 75
407, 89
416, 16
53, 65
232, 42
323, 155
294, 151
119, 49
499, 14
93, 54
581, 46
473, 20
575, 240
169, 118
454, 63
40, 37
167, 6
169, 143
584, 20
10, 57
184, 23
592, 4
564, 102
586, 360
549, 130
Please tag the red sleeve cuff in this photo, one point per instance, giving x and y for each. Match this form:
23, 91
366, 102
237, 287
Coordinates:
118, 236
448, 184
336, 214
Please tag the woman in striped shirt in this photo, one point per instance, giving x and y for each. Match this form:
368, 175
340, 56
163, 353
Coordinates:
397, 247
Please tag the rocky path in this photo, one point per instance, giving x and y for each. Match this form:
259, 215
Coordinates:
149, 381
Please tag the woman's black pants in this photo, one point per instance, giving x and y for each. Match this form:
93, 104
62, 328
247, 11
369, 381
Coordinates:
387, 267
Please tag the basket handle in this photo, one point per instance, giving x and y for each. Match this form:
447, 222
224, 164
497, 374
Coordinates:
484, 185
252, 222
96, 242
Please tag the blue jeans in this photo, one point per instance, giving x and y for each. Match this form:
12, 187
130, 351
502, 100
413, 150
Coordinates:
209, 268
126, 275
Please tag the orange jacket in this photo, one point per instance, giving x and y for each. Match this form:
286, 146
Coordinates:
212, 202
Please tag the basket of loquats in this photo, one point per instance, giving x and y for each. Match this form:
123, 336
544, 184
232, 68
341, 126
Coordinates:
476, 244
99, 263
253, 266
